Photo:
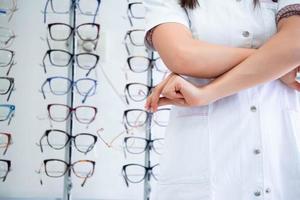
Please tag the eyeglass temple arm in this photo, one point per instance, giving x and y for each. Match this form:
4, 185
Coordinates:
45, 11
87, 94
40, 143
10, 118
44, 64
10, 66
12, 88
85, 179
42, 88
40, 172
125, 179
4, 178
126, 98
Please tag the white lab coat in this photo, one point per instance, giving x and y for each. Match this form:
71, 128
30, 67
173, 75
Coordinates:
242, 147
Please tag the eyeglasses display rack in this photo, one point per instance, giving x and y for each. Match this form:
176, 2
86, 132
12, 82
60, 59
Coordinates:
68, 153
147, 185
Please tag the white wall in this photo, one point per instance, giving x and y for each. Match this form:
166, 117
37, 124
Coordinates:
31, 120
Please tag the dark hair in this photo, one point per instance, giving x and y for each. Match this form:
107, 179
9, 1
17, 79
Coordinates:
194, 3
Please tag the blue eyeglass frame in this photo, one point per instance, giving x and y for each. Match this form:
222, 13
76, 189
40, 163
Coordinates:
74, 4
11, 112
89, 93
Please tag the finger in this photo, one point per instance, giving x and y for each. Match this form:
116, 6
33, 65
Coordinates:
163, 101
170, 92
157, 92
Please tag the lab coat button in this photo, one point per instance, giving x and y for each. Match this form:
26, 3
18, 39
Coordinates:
257, 193
268, 190
256, 151
253, 108
246, 33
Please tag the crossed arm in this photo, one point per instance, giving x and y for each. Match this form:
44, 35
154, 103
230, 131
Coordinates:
235, 68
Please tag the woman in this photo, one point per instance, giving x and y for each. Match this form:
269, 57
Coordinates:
234, 132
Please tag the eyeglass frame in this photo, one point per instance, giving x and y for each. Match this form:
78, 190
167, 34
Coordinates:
8, 163
72, 84
70, 60
128, 35
68, 167
130, 14
72, 110
125, 118
70, 139
152, 64
149, 144
148, 173
10, 10
74, 5
11, 37
127, 94
9, 142
11, 113
11, 87
11, 62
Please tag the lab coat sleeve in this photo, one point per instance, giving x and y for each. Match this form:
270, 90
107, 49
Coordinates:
287, 8
284, 3
163, 11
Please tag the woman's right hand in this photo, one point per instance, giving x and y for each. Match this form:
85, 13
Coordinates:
289, 79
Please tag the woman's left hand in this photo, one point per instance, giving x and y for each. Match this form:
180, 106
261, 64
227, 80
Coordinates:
175, 90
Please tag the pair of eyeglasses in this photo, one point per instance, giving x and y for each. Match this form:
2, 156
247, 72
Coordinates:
56, 168
8, 8
139, 117
7, 59
136, 92
61, 112
58, 139
135, 173
140, 64
7, 85
5, 168
134, 37
135, 10
85, 7
62, 58
87, 32
5, 141
138, 145
7, 37
7, 112
58, 85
